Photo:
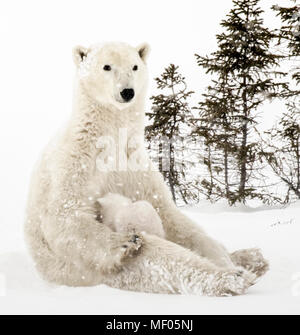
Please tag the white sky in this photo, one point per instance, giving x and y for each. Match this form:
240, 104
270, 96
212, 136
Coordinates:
36, 67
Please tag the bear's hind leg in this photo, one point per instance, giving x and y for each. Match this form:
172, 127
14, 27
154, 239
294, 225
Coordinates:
165, 267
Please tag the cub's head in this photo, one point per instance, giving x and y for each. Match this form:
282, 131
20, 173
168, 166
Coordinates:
113, 73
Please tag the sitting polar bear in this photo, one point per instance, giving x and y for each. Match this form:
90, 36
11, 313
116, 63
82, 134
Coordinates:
102, 151
123, 215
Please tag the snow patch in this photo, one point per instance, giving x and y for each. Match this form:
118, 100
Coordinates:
278, 292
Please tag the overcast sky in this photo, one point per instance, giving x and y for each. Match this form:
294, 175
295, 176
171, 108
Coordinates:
37, 38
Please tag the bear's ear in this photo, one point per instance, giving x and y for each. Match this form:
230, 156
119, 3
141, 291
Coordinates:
79, 53
143, 51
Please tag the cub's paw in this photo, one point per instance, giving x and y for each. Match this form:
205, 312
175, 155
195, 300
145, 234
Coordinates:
252, 260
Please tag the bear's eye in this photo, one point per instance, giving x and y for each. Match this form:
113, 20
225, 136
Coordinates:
106, 67
135, 68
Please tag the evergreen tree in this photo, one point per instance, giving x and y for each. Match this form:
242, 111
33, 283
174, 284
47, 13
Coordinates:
217, 126
282, 146
283, 151
289, 39
244, 73
169, 127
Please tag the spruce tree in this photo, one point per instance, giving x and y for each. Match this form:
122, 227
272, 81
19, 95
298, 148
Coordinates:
282, 151
289, 38
216, 125
245, 74
169, 122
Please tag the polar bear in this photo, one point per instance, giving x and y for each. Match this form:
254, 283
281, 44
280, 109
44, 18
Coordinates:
102, 151
123, 215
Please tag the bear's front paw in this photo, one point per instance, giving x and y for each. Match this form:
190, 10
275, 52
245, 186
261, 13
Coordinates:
132, 246
126, 245
122, 248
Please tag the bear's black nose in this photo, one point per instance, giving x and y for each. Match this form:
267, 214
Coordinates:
127, 94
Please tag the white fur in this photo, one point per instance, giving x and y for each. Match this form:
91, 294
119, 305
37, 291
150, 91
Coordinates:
123, 215
67, 241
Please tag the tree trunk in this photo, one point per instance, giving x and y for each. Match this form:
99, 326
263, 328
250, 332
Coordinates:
160, 167
210, 174
171, 171
243, 149
226, 170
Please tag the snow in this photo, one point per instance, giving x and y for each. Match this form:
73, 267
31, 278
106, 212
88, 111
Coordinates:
276, 231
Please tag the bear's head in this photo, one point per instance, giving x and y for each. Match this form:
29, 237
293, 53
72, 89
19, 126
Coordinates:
113, 73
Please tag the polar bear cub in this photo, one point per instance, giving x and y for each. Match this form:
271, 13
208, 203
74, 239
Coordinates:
122, 215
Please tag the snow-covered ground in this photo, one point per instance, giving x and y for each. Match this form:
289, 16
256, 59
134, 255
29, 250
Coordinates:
275, 231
